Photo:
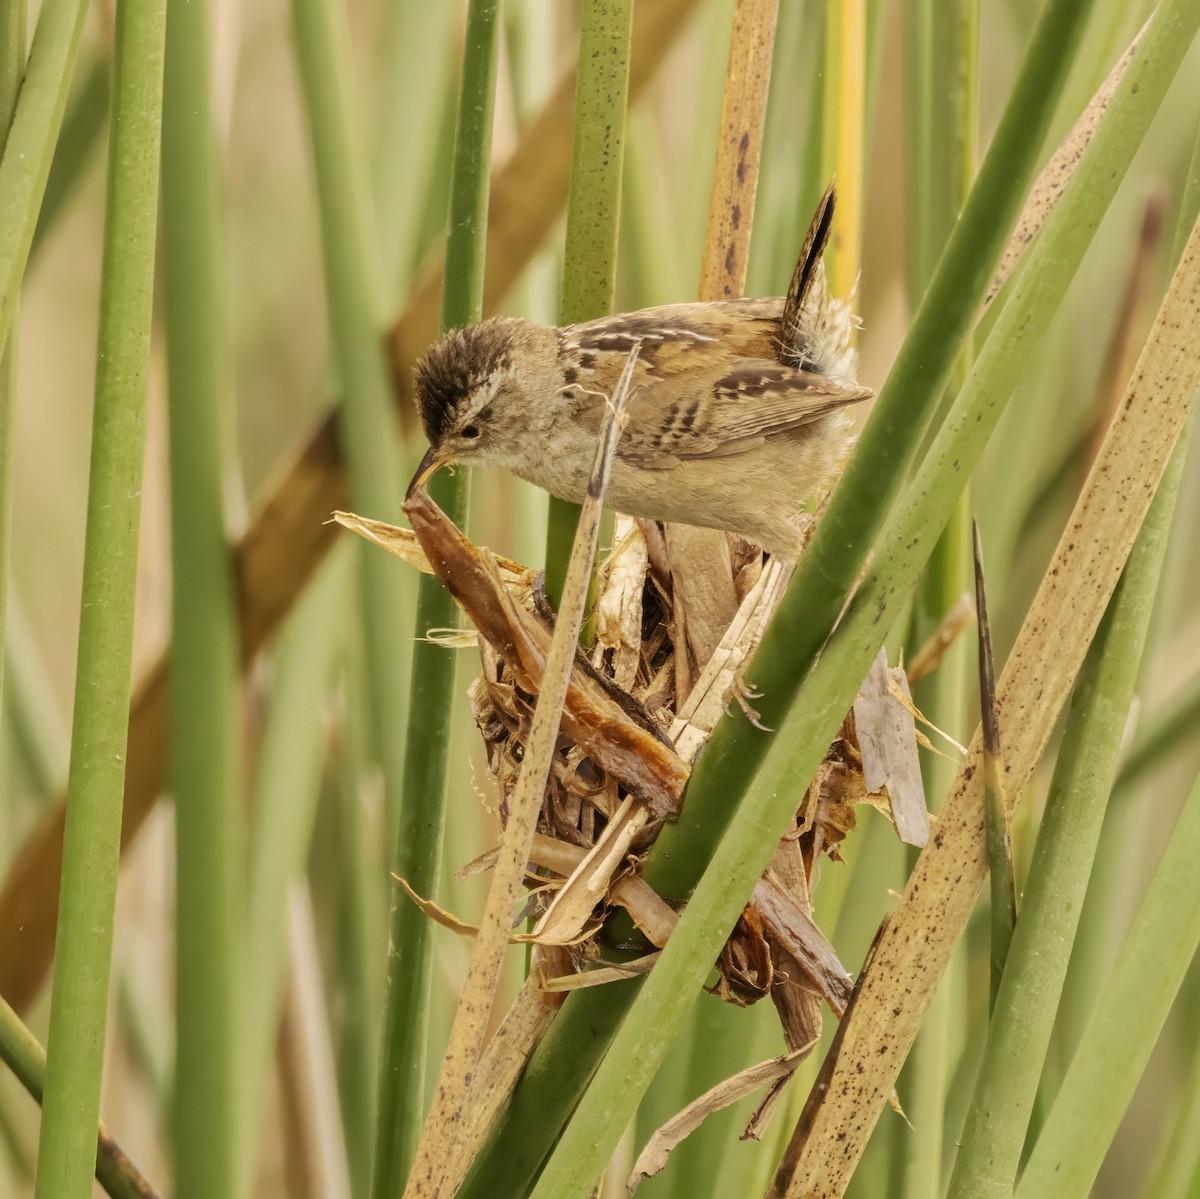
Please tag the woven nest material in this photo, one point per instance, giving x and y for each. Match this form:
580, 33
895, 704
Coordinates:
639, 711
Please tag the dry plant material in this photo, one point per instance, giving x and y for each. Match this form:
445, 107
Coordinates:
621, 757
931, 652
913, 947
887, 738
653, 1158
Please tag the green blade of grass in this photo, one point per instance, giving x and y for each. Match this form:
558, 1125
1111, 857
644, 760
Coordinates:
96, 777
423, 796
204, 709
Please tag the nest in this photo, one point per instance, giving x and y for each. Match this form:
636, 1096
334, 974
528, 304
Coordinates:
640, 708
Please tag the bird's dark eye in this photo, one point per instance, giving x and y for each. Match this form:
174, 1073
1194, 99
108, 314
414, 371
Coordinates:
470, 432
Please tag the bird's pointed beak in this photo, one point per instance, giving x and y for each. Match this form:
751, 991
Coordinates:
430, 465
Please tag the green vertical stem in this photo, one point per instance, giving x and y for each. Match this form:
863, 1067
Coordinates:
593, 208
423, 808
352, 254
359, 970
205, 749
367, 420
12, 62
942, 79
96, 778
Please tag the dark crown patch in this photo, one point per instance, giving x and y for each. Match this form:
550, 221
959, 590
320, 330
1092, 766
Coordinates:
450, 370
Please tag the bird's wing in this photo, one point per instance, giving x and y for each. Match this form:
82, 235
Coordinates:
673, 337
750, 401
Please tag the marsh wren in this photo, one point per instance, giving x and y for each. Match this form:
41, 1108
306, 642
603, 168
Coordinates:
737, 418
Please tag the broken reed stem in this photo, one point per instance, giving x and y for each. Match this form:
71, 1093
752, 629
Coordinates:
739, 151
440, 1136
995, 803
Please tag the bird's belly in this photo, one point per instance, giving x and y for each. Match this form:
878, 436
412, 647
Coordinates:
757, 494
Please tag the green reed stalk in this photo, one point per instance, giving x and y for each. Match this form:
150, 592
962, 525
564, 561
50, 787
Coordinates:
942, 80
284, 810
430, 704
96, 780
351, 254
593, 209
205, 745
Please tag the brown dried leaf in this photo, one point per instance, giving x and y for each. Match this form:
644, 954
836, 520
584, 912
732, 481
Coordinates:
593, 718
572, 908
929, 656
404, 545
887, 740
654, 1157
611, 973
619, 605
794, 928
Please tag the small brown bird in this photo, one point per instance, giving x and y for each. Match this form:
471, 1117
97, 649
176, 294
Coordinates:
736, 418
